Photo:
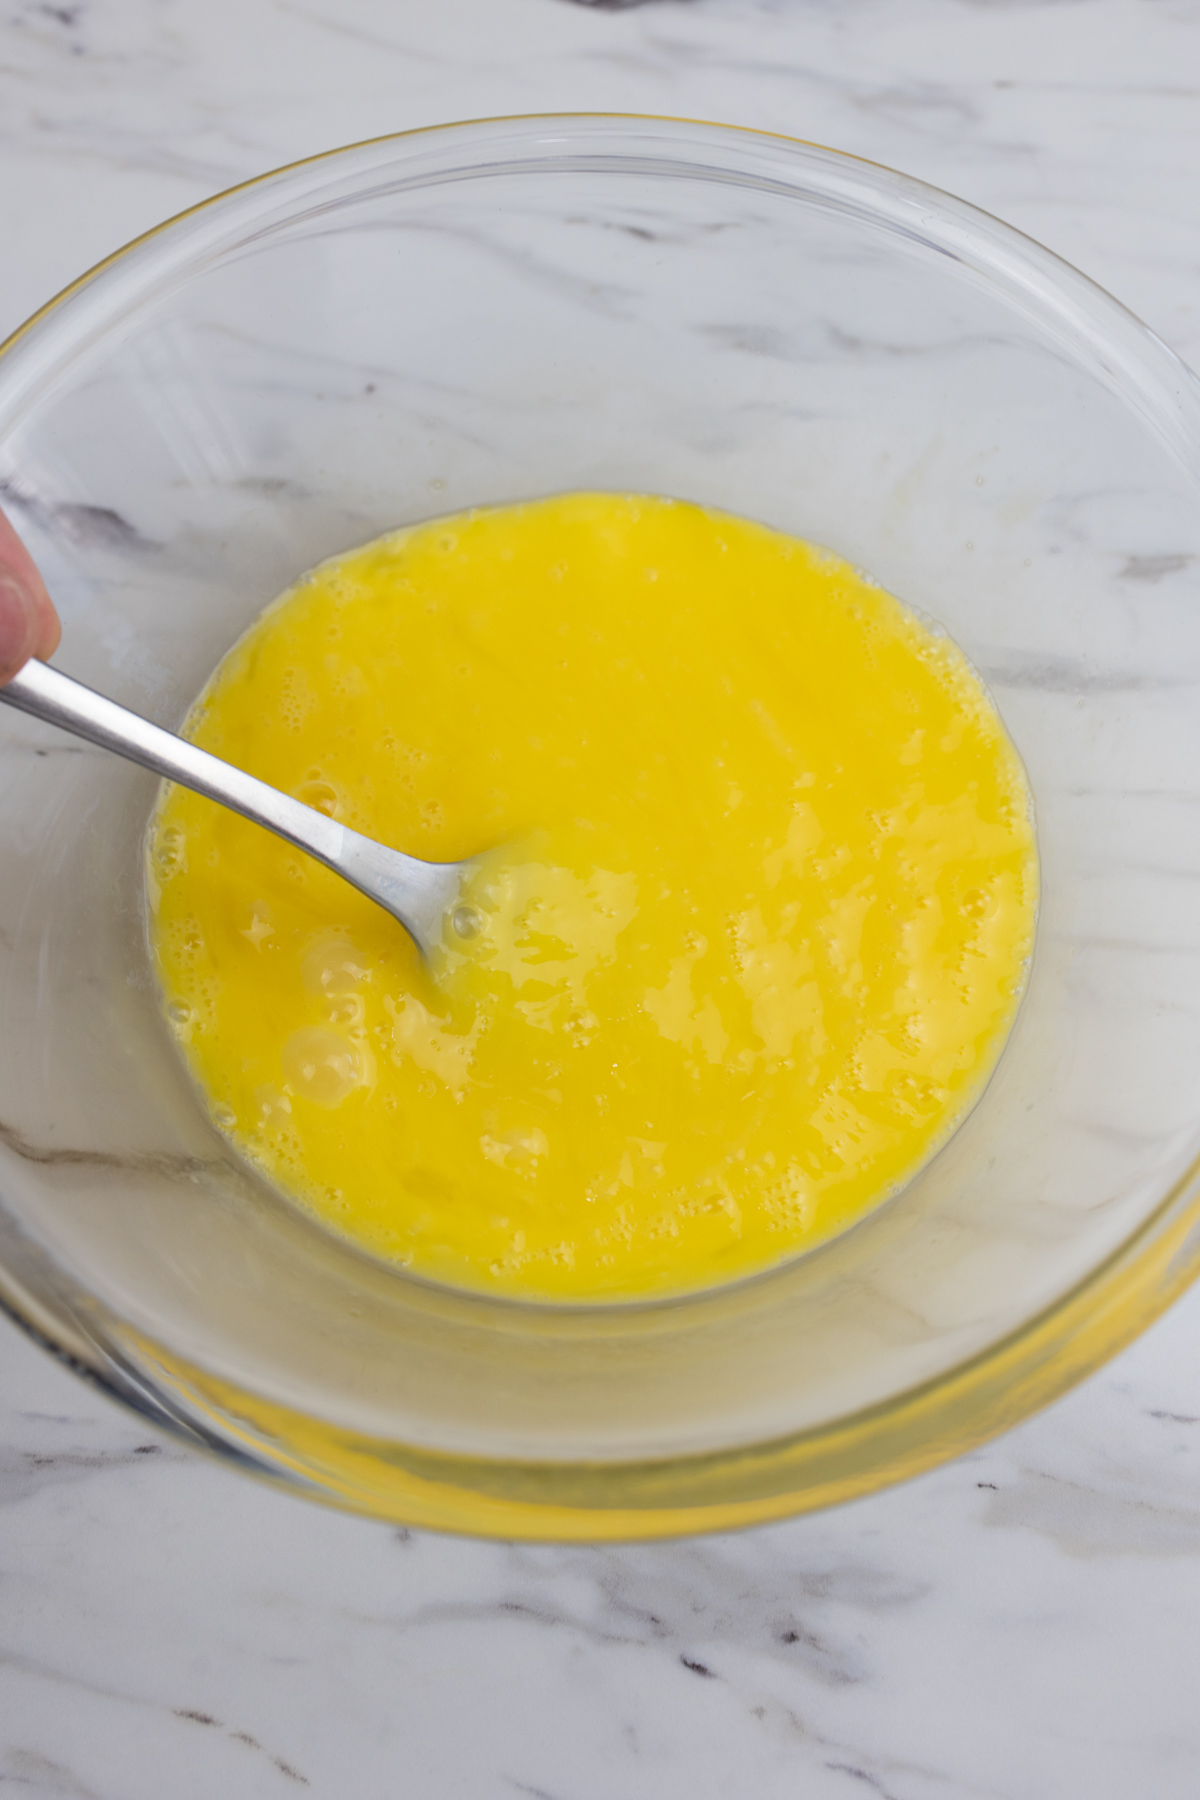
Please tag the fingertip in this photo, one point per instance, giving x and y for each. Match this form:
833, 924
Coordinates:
49, 629
19, 625
29, 625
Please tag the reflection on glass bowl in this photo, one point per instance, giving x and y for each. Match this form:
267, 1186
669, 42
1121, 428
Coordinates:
488, 312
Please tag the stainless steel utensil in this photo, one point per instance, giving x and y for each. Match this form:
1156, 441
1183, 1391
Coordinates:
425, 897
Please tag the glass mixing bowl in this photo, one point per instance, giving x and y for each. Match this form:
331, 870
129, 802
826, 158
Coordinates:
492, 311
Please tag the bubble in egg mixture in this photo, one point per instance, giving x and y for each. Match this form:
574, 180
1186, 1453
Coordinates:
321, 1065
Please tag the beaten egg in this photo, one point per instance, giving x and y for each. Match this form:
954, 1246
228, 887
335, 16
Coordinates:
753, 923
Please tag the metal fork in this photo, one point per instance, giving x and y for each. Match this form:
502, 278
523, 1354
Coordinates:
423, 896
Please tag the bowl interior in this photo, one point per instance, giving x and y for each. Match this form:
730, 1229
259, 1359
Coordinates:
491, 312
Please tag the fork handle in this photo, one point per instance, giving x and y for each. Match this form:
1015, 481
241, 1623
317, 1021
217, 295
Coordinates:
56, 699
415, 892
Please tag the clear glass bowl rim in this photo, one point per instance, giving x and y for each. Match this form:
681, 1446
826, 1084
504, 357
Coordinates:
845, 1458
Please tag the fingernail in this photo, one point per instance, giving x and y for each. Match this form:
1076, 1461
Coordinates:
18, 625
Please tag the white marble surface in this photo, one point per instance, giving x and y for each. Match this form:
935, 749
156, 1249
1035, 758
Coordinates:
1024, 1624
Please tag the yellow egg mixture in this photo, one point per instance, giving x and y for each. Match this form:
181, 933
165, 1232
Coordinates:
757, 923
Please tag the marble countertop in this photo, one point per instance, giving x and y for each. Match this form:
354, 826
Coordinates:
1022, 1624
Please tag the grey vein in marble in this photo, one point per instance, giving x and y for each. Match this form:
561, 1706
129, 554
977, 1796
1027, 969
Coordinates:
1023, 1625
